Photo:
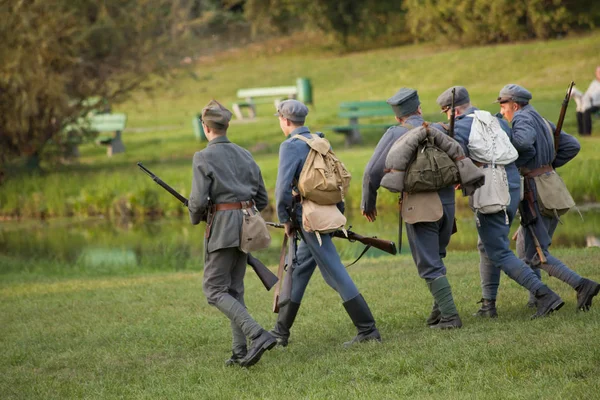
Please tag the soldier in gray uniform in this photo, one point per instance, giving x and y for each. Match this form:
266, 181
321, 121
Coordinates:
225, 180
533, 139
310, 254
494, 251
428, 240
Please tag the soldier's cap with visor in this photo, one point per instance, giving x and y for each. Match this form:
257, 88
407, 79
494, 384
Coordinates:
293, 110
404, 102
215, 115
512, 92
461, 96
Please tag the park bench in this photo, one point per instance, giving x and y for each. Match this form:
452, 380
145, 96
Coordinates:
359, 110
274, 95
109, 123
198, 130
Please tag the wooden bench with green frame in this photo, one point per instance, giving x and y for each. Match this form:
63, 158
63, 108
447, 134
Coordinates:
110, 123
355, 110
274, 95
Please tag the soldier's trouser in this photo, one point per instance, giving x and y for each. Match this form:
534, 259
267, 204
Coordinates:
223, 286
309, 255
494, 236
544, 228
428, 242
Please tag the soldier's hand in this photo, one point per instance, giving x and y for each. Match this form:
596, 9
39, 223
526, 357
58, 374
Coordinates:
288, 228
370, 215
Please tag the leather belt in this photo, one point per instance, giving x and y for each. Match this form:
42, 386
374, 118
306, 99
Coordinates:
532, 173
238, 205
232, 206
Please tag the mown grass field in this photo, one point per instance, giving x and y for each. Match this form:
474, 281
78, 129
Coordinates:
149, 336
161, 134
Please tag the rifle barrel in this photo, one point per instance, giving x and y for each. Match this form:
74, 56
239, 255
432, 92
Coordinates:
162, 184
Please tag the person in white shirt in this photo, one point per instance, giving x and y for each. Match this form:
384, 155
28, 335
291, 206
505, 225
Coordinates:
587, 104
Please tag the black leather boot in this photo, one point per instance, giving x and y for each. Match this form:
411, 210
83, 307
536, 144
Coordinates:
435, 316
265, 341
547, 301
236, 357
358, 310
487, 309
285, 320
586, 291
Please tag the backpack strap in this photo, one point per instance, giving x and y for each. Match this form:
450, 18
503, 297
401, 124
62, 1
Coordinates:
551, 135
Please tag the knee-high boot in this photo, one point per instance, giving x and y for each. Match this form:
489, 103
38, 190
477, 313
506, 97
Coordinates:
358, 310
285, 320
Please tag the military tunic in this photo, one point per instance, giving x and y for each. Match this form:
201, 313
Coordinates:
292, 155
427, 240
226, 173
495, 254
534, 142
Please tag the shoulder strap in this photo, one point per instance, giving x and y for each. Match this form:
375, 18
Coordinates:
305, 140
551, 135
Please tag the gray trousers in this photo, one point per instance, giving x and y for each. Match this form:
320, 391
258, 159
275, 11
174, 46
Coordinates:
223, 286
428, 242
544, 228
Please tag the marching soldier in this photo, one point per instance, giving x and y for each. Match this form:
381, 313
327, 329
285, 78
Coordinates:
533, 139
428, 240
225, 180
310, 254
493, 229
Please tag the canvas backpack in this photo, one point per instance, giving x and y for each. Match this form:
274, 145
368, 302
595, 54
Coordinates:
324, 179
489, 144
431, 169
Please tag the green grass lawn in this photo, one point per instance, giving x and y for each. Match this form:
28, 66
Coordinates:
162, 135
154, 336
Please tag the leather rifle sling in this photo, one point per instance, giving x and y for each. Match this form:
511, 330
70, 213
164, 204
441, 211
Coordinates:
400, 199
280, 274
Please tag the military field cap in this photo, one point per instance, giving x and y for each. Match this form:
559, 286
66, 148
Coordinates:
215, 115
404, 102
293, 110
461, 96
512, 92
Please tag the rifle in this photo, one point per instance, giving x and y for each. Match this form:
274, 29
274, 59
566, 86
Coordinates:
452, 115
528, 218
279, 275
561, 118
265, 275
385, 245
164, 185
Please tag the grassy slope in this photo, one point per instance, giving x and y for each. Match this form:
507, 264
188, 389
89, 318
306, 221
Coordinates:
153, 336
167, 144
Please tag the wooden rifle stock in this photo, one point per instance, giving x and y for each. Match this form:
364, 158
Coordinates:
385, 245
265, 275
279, 274
529, 217
561, 118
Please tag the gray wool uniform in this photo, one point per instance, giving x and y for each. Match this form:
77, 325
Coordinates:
532, 137
226, 173
427, 240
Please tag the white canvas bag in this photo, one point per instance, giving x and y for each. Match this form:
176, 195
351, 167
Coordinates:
490, 145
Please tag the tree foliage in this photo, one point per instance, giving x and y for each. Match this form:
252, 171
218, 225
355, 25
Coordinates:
342, 19
56, 54
482, 21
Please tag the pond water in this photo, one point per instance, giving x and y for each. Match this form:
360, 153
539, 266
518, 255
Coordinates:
100, 247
